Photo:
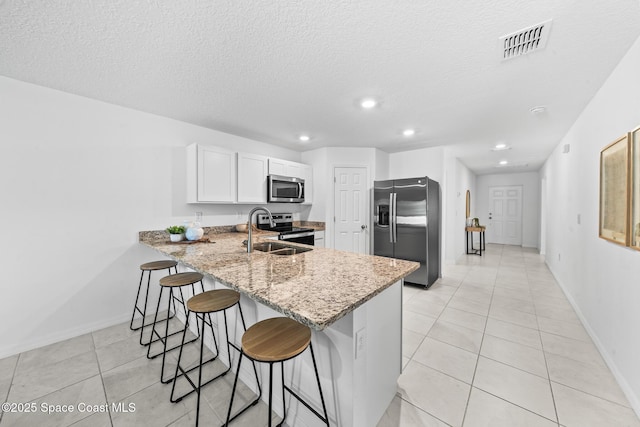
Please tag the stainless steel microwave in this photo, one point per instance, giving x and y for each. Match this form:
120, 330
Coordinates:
285, 189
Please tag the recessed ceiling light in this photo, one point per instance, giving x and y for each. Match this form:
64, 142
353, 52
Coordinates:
512, 165
501, 146
304, 138
503, 162
538, 110
368, 103
409, 132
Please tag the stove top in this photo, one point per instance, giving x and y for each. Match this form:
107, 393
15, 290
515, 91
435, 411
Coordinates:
284, 224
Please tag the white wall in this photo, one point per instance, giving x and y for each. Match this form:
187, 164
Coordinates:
423, 162
323, 161
79, 179
530, 182
464, 180
600, 278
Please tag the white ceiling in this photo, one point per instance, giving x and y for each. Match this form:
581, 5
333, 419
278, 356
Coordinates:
271, 70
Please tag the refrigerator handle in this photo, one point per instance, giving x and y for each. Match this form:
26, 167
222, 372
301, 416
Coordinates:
390, 217
395, 217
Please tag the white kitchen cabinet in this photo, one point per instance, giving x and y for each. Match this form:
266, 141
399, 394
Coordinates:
284, 167
211, 174
294, 169
306, 173
319, 239
252, 178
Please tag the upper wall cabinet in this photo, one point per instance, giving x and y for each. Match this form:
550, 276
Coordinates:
211, 174
252, 178
217, 175
285, 168
298, 170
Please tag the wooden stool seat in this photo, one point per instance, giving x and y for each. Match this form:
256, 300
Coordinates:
275, 340
158, 265
180, 279
212, 301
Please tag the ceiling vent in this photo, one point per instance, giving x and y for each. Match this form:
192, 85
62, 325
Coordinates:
525, 41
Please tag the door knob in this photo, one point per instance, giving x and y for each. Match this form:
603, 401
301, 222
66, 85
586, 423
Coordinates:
362, 227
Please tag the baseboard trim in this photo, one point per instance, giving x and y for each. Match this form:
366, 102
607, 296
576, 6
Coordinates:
85, 328
634, 401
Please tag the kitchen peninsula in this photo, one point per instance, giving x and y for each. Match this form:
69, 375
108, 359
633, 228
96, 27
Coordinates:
353, 303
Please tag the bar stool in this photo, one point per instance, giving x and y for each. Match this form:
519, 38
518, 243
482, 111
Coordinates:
172, 281
203, 304
277, 340
148, 268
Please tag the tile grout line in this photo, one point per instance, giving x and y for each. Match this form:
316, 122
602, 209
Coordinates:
546, 364
515, 404
13, 375
104, 389
411, 358
475, 370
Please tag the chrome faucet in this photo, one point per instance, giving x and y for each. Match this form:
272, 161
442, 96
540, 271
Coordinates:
254, 210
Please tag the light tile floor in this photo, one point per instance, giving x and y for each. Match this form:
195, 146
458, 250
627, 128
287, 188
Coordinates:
493, 343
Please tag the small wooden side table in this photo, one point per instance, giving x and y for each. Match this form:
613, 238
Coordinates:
469, 231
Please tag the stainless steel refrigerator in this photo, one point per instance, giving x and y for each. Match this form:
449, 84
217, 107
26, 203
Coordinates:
406, 225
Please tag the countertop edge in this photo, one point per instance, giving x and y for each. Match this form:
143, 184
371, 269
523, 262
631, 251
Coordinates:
292, 314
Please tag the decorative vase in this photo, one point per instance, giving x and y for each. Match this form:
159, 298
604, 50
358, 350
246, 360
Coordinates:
194, 232
176, 237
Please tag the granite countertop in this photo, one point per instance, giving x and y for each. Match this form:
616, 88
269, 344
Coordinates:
316, 288
316, 225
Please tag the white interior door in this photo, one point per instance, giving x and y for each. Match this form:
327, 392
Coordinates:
505, 215
351, 209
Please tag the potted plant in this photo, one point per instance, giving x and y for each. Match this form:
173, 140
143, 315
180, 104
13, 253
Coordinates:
176, 233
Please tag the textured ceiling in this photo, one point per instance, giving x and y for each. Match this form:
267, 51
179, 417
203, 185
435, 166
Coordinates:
271, 70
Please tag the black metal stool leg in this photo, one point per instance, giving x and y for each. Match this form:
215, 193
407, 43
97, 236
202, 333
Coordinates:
315, 368
255, 370
184, 336
233, 392
166, 338
200, 371
144, 312
185, 373
270, 390
153, 327
135, 305
284, 404
167, 335
324, 419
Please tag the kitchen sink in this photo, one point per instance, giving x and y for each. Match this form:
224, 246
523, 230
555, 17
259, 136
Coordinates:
276, 248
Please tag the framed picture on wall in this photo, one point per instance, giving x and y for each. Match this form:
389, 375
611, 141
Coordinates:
614, 191
634, 171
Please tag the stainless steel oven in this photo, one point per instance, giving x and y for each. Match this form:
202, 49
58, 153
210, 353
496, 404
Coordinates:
305, 237
285, 189
287, 232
